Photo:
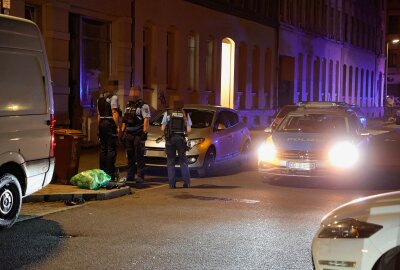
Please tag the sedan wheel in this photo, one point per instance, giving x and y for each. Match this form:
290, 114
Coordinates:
10, 200
245, 155
209, 161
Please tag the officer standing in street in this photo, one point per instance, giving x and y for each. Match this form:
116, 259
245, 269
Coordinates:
108, 116
176, 125
135, 126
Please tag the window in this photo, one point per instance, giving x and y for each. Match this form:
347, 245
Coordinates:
33, 13
171, 79
392, 58
193, 60
233, 118
393, 25
223, 118
95, 57
210, 66
13, 66
147, 46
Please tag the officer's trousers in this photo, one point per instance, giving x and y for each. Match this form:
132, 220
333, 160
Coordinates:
175, 144
135, 154
108, 137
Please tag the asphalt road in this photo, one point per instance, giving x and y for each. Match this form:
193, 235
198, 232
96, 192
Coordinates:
232, 221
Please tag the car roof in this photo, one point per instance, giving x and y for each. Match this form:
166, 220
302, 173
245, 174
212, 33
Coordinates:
323, 110
204, 107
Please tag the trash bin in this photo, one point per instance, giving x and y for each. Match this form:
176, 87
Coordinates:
67, 153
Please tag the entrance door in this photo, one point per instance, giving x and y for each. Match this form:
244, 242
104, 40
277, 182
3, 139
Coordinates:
227, 72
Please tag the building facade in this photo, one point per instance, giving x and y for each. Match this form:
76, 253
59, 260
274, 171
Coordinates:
332, 50
250, 55
393, 50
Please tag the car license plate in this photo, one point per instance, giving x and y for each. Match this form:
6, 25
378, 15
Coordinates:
300, 165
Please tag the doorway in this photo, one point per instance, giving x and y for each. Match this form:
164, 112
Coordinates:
227, 72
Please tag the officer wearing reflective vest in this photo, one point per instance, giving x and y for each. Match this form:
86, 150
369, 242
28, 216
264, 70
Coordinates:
176, 124
107, 116
135, 126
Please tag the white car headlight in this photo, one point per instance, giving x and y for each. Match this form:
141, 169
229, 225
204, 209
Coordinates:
344, 155
349, 228
267, 151
193, 142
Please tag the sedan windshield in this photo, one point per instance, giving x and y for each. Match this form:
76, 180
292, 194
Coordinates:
314, 123
200, 118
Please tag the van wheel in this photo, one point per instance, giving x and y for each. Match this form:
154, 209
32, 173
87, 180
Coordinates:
209, 162
10, 200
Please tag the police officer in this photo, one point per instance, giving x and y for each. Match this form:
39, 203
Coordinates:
135, 126
175, 126
107, 116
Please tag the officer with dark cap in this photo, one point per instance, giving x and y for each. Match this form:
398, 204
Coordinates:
176, 124
107, 116
135, 126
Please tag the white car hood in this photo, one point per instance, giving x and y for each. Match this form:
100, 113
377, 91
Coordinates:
363, 208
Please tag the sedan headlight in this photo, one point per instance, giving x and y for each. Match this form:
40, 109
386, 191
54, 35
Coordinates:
193, 142
349, 228
267, 151
344, 155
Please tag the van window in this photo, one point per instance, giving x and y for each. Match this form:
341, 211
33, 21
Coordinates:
21, 84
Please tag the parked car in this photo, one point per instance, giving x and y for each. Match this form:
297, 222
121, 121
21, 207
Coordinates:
317, 139
360, 235
278, 117
217, 135
26, 116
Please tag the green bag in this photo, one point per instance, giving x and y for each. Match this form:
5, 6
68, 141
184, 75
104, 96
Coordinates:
91, 179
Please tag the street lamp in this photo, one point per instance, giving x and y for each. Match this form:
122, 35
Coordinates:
393, 41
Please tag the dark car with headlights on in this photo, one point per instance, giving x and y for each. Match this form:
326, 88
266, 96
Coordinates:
319, 140
217, 135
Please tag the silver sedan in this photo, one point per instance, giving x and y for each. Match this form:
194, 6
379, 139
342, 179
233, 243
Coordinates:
217, 135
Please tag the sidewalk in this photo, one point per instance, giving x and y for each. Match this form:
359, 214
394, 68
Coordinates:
89, 159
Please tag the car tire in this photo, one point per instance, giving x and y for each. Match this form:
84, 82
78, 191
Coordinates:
208, 164
10, 200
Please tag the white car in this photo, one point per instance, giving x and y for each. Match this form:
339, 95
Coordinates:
363, 234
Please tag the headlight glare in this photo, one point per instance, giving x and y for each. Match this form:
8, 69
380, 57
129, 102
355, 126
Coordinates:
267, 152
344, 155
349, 228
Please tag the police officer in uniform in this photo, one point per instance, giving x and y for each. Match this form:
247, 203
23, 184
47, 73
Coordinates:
176, 125
135, 126
107, 116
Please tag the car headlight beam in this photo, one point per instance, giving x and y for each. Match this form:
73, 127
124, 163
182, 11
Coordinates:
349, 228
267, 151
344, 155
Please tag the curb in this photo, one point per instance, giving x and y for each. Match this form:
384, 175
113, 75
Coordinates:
111, 194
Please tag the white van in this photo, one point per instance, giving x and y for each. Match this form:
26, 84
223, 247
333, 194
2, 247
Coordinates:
26, 116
